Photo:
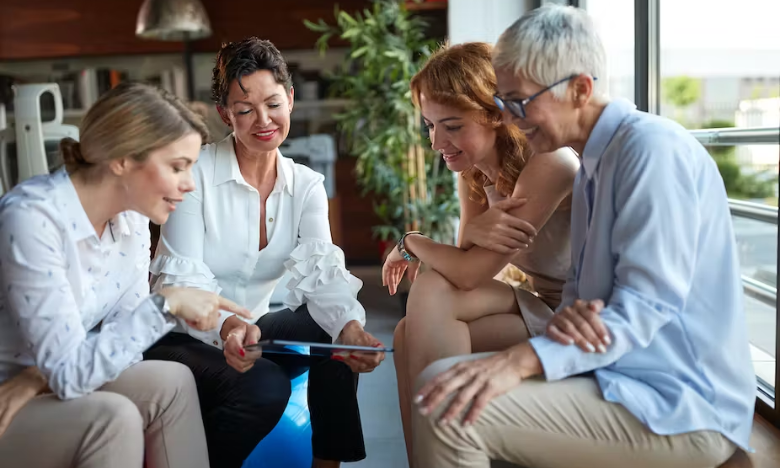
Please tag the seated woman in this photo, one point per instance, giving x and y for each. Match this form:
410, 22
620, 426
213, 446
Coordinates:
507, 195
652, 239
75, 309
254, 215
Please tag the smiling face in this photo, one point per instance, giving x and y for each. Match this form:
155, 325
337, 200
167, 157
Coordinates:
457, 135
260, 117
548, 121
157, 184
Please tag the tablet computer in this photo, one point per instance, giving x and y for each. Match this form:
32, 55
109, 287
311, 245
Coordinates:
282, 346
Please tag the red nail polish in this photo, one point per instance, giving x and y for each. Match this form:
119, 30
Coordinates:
337, 358
242, 353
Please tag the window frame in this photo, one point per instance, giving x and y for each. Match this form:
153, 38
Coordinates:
647, 89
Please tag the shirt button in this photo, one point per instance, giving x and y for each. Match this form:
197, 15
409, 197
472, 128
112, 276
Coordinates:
215, 343
270, 220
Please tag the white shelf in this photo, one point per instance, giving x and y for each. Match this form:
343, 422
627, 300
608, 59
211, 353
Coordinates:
66, 114
321, 104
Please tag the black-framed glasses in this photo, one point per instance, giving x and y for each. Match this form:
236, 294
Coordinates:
517, 106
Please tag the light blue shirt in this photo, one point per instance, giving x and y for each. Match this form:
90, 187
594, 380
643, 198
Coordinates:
652, 237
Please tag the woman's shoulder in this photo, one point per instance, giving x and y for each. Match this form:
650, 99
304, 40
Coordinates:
563, 161
37, 196
303, 177
213, 152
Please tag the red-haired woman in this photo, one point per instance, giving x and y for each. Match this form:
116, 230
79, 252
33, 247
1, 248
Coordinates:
515, 208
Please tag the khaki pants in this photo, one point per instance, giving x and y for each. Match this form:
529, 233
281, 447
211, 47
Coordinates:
152, 407
564, 424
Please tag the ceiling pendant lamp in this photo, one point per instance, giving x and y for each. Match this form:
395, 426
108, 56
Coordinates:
172, 20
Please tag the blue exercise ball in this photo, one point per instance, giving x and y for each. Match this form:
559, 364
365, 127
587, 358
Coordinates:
288, 445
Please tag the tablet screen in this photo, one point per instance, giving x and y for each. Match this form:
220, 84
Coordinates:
321, 349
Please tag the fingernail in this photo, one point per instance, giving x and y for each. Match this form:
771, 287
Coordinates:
353, 356
443, 422
592, 307
242, 353
418, 399
424, 411
602, 349
590, 347
606, 339
337, 358
571, 342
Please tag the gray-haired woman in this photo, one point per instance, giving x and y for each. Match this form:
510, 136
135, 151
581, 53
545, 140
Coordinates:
653, 257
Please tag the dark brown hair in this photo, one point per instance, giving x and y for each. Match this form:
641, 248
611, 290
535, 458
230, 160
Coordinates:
462, 76
239, 59
131, 120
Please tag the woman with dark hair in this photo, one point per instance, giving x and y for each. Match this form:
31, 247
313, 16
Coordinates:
253, 215
75, 309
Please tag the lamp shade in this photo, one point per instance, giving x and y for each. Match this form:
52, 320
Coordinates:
172, 20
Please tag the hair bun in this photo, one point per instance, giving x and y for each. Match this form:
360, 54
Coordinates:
71, 154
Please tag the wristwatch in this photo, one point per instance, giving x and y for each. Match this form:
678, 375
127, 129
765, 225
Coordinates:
162, 303
402, 250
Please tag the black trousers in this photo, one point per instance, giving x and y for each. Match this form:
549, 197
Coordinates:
240, 409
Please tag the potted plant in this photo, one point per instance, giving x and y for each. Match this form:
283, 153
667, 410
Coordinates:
384, 131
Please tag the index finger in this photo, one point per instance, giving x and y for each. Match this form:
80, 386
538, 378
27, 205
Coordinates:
520, 224
230, 306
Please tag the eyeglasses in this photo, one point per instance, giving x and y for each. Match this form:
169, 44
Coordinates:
517, 106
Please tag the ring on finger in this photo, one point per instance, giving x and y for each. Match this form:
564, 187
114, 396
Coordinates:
231, 334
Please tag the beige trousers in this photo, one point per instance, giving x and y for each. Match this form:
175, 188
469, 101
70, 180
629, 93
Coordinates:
564, 424
151, 409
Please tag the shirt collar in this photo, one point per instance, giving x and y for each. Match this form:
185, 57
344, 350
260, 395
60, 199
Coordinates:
225, 172
602, 133
76, 218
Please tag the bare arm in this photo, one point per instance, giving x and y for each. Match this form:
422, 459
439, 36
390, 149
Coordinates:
468, 210
545, 182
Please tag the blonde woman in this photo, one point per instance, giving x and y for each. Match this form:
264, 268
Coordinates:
75, 309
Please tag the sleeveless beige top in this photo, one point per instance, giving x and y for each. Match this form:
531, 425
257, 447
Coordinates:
546, 261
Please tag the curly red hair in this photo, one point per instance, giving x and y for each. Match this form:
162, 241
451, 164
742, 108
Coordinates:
462, 76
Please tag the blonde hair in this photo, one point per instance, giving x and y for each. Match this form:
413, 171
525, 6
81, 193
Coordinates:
462, 76
131, 120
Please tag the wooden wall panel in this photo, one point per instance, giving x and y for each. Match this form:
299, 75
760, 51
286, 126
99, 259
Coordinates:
357, 217
38, 29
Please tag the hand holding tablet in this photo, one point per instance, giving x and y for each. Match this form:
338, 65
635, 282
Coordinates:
315, 349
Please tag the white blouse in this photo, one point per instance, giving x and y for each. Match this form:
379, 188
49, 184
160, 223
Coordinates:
211, 242
74, 304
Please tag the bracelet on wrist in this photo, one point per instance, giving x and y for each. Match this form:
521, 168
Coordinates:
402, 248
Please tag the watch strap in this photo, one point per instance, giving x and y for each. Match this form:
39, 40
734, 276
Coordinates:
402, 249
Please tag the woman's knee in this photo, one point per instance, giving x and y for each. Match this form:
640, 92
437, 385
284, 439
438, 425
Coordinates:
399, 336
437, 367
429, 289
117, 416
171, 380
264, 388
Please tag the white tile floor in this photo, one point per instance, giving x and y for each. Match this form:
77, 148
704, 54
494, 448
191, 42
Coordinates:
378, 391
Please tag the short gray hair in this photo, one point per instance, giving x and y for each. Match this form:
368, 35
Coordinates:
551, 43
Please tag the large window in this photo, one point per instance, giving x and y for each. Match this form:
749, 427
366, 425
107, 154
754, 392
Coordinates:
719, 68
615, 20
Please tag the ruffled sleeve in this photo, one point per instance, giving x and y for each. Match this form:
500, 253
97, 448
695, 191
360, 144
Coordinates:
182, 272
321, 280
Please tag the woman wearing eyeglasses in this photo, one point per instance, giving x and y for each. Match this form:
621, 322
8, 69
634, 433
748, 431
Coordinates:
651, 236
515, 208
